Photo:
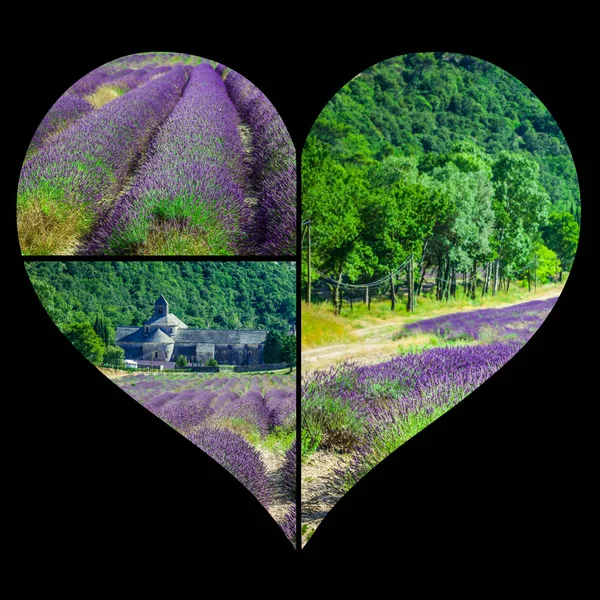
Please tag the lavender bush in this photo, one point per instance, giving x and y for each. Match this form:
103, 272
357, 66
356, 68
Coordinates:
81, 167
67, 109
272, 163
190, 194
136, 158
289, 525
519, 321
289, 468
371, 410
236, 455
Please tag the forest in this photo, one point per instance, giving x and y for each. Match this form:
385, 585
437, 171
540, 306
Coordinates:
444, 164
204, 295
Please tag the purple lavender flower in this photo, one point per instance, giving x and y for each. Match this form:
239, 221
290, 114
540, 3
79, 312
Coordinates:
289, 468
289, 524
236, 455
195, 174
67, 109
82, 167
273, 168
519, 321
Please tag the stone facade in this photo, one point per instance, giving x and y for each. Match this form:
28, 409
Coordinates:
164, 337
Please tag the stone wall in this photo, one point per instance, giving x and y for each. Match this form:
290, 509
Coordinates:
243, 368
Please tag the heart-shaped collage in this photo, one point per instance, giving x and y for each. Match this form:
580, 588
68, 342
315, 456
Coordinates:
158, 224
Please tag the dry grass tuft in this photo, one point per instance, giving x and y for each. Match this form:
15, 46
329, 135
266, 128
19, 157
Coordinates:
103, 95
321, 327
50, 228
169, 241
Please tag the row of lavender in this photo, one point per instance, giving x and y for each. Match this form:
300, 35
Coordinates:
222, 416
189, 196
86, 165
122, 75
162, 168
273, 173
369, 411
519, 321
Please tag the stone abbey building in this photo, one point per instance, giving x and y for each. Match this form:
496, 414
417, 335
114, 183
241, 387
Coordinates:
164, 337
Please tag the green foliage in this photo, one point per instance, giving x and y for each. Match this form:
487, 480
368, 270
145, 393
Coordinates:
212, 363
562, 235
547, 264
181, 361
328, 423
280, 438
288, 349
85, 339
279, 348
424, 103
205, 295
272, 347
104, 330
443, 157
114, 357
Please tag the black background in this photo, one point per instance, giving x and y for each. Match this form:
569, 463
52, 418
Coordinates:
505, 475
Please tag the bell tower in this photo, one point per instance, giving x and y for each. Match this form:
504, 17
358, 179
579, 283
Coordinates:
161, 307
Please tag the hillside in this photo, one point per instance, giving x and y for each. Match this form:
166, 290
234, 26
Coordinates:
424, 103
220, 295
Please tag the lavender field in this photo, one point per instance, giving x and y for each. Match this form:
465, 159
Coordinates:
354, 416
519, 322
159, 153
245, 423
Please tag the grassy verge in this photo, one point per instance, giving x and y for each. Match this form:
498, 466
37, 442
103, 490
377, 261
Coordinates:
320, 327
49, 226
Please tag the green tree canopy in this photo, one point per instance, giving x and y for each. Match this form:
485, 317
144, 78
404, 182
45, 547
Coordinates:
86, 340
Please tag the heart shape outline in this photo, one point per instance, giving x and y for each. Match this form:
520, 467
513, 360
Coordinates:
571, 360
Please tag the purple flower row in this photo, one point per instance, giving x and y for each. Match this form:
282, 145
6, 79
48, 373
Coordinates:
238, 457
289, 468
519, 321
386, 394
81, 166
193, 183
273, 168
184, 404
70, 106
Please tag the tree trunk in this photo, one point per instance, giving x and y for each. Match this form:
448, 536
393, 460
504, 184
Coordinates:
392, 292
422, 269
447, 280
410, 304
486, 280
338, 296
453, 284
496, 277
474, 281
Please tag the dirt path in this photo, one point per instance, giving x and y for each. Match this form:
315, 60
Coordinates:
317, 484
281, 501
375, 343
112, 374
